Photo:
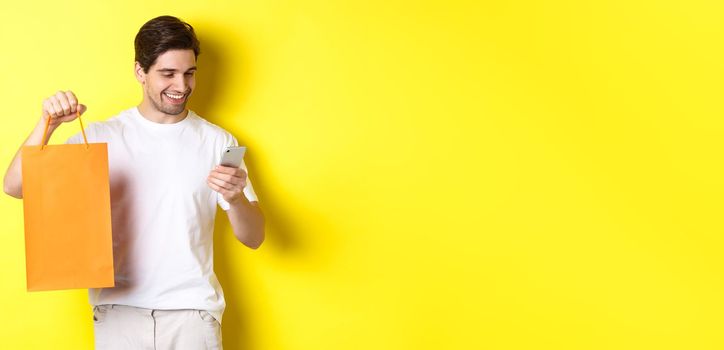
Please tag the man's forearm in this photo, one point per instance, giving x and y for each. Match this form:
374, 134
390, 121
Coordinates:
247, 221
13, 182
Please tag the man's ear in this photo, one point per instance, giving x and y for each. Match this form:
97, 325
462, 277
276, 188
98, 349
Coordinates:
140, 74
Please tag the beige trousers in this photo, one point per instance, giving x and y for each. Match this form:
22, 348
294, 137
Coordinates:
126, 327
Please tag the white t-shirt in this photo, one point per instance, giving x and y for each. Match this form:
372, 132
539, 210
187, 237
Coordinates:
162, 211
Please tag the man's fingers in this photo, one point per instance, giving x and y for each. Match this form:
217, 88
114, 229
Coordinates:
72, 101
63, 102
225, 169
47, 108
237, 174
224, 192
221, 183
57, 108
231, 170
63, 106
216, 187
235, 180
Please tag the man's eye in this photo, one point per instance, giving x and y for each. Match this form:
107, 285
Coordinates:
189, 74
168, 75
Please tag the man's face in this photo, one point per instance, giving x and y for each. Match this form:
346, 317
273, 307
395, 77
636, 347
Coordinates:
169, 81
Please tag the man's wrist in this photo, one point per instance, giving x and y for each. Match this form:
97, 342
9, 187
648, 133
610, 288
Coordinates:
239, 201
40, 129
41, 126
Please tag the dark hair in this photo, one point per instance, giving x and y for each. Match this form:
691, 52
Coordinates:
162, 34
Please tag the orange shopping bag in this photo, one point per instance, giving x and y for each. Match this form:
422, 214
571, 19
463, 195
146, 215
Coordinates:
66, 202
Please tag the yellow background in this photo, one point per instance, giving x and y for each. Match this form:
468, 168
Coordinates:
435, 175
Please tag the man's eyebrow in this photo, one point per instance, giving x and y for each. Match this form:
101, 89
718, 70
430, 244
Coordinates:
173, 70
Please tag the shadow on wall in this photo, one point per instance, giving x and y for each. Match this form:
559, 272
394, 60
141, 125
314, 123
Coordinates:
212, 76
216, 70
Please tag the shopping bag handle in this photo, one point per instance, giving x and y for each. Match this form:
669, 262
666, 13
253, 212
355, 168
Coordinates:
47, 125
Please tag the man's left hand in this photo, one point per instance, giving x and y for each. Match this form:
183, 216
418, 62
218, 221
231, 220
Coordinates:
228, 181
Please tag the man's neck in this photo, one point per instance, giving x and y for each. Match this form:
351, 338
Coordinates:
159, 117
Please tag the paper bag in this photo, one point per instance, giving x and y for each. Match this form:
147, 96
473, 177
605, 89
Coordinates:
66, 203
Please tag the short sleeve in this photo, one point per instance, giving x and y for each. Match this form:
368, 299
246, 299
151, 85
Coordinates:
91, 132
75, 139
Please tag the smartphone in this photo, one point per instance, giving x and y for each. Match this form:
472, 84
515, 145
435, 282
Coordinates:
232, 156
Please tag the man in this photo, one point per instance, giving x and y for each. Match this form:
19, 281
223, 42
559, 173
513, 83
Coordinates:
165, 185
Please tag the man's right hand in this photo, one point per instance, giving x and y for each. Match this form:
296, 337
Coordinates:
60, 108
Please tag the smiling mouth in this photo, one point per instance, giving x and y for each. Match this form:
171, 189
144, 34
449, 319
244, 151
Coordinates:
175, 97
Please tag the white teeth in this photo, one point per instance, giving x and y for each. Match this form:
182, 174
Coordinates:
176, 97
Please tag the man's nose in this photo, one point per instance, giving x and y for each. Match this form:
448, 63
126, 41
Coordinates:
180, 83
